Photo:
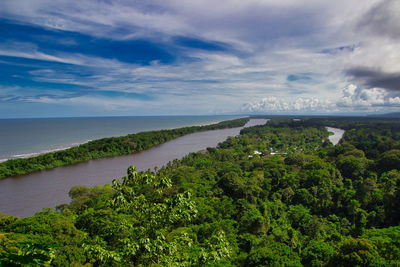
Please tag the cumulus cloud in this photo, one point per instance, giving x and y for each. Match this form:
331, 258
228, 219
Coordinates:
355, 98
371, 78
395, 101
300, 53
276, 105
358, 97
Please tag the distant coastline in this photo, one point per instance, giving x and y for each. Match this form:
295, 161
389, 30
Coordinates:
34, 154
22, 138
105, 147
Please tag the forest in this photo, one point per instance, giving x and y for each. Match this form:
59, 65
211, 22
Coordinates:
105, 147
279, 194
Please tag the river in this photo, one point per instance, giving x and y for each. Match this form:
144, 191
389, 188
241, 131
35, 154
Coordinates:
337, 135
25, 195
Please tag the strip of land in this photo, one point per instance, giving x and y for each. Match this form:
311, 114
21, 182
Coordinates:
106, 147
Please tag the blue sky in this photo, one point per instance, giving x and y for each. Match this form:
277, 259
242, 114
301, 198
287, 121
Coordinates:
109, 58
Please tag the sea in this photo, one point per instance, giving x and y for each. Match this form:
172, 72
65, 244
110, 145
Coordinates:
21, 138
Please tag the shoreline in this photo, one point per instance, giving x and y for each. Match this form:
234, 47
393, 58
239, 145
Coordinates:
76, 144
43, 152
50, 187
105, 147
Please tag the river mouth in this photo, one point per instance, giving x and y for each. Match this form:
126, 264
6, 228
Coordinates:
25, 195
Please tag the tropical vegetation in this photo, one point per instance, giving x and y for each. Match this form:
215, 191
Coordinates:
277, 195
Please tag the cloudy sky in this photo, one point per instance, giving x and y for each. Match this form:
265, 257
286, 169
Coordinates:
157, 57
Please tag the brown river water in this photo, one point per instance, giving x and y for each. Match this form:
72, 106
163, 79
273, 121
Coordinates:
25, 195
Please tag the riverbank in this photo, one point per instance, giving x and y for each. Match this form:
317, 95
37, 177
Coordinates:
106, 147
21, 138
26, 194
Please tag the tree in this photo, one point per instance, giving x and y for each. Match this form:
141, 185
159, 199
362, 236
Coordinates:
232, 185
357, 252
149, 211
15, 251
351, 166
47, 237
143, 197
273, 254
389, 160
317, 253
387, 241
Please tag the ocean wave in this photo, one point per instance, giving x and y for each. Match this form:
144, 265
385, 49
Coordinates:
42, 152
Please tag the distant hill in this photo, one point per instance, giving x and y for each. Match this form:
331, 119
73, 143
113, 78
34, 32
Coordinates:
387, 115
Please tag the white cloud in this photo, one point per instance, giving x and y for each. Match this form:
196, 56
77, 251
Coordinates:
269, 41
394, 101
28, 50
354, 97
276, 105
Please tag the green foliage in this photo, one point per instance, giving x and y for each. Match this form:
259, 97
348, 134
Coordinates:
43, 239
138, 226
357, 252
309, 204
387, 241
389, 160
351, 166
317, 253
273, 254
24, 253
83, 198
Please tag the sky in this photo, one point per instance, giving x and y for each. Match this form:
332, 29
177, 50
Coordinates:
62, 58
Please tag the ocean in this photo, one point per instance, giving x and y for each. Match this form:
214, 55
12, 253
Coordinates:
27, 137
